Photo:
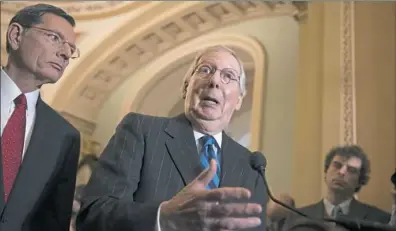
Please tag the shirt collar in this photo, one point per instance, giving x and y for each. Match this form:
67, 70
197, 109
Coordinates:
10, 91
343, 205
218, 137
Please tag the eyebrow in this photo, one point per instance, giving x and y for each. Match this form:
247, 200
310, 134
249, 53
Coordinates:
211, 62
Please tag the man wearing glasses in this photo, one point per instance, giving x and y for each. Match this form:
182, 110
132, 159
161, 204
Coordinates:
39, 149
181, 173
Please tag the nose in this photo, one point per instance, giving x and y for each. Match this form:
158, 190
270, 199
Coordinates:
215, 80
64, 52
343, 169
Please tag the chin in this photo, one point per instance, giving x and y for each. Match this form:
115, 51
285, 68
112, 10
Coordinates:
206, 115
51, 77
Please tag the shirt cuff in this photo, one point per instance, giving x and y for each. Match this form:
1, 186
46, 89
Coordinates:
157, 226
392, 221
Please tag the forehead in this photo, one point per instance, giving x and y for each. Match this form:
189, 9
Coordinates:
59, 25
222, 59
352, 161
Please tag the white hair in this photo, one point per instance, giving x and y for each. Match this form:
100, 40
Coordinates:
190, 72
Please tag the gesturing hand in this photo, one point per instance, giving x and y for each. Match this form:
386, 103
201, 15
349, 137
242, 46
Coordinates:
195, 208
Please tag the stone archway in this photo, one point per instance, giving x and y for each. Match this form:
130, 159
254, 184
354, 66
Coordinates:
82, 93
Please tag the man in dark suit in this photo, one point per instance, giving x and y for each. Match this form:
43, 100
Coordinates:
181, 173
347, 170
39, 149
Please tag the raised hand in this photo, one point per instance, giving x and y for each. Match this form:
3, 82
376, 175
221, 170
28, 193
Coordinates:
196, 209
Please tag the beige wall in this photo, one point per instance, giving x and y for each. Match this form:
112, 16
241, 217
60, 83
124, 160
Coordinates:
349, 103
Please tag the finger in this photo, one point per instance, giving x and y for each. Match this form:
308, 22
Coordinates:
227, 193
206, 176
233, 209
232, 223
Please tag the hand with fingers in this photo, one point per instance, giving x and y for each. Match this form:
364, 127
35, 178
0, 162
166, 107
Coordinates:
195, 208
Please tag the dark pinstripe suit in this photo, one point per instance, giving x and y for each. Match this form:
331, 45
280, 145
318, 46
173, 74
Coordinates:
147, 161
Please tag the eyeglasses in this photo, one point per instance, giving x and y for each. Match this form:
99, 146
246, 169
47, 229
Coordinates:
226, 74
57, 40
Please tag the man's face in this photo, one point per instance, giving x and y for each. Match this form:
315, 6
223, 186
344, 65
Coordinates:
44, 49
213, 93
343, 174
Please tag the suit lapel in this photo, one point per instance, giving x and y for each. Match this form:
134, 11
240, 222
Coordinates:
232, 168
39, 161
357, 210
182, 148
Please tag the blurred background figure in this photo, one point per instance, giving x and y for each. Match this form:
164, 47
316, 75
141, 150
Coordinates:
277, 214
392, 221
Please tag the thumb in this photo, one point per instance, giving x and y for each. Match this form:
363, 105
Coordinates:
206, 176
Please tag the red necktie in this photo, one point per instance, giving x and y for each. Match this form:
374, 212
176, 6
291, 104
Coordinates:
12, 144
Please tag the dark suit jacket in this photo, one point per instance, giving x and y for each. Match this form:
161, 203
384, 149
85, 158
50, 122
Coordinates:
42, 195
357, 210
147, 161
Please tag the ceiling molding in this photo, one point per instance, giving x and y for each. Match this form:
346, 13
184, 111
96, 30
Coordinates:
247, 44
80, 10
92, 82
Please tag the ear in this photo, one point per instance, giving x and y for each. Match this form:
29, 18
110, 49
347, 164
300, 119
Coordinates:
239, 103
184, 91
14, 35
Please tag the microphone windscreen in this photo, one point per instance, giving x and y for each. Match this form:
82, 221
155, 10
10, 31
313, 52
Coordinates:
258, 161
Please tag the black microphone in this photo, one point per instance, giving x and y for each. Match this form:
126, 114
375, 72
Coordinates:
258, 162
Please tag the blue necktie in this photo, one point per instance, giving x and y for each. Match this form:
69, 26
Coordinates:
207, 154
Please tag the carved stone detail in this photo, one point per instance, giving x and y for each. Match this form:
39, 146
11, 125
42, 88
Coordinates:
77, 9
154, 41
348, 123
84, 126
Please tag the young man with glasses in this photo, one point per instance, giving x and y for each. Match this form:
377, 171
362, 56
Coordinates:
39, 149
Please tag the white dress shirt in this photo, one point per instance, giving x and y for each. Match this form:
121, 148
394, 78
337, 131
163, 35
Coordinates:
197, 135
344, 206
10, 91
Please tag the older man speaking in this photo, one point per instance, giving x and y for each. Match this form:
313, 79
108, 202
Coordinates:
181, 173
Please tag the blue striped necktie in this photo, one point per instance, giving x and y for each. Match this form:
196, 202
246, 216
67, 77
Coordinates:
207, 154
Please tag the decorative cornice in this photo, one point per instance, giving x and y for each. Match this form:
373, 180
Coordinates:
348, 104
105, 69
82, 10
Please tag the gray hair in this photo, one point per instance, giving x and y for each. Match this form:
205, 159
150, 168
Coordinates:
32, 15
190, 72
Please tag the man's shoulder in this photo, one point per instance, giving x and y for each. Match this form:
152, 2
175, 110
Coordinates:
143, 122
374, 210
60, 120
310, 207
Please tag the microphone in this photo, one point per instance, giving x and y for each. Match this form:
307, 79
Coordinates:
258, 162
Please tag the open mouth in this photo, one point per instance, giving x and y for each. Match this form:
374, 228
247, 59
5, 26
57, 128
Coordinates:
210, 100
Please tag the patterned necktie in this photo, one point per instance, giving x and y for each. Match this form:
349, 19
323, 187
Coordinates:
12, 144
207, 154
337, 212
